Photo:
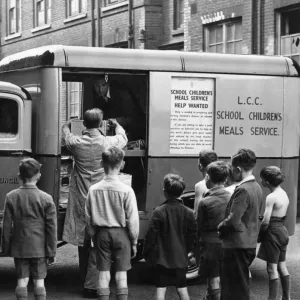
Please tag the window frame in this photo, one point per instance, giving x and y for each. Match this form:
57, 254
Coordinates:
19, 102
280, 37
224, 42
178, 14
79, 91
18, 17
47, 13
79, 11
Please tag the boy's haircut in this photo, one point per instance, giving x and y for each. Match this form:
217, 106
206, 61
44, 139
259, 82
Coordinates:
207, 156
218, 171
174, 185
112, 156
93, 118
245, 159
28, 168
273, 175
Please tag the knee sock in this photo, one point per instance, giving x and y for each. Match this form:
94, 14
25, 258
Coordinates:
273, 289
21, 293
122, 293
103, 293
215, 294
39, 293
286, 287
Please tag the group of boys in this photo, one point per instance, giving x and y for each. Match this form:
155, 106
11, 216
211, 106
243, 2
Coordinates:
228, 220
102, 216
29, 227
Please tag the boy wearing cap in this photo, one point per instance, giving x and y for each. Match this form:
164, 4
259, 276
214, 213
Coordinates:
112, 221
274, 235
29, 230
211, 212
170, 236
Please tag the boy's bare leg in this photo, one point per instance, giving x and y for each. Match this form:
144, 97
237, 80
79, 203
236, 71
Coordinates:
121, 283
183, 293
273, 281
214, 292
161, 293
21, 289
285, 280
39, 289
104, 280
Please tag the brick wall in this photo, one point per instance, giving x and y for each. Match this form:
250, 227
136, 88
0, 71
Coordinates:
76, 32
196, 9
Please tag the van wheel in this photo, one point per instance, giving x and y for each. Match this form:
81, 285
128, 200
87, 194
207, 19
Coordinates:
192, 272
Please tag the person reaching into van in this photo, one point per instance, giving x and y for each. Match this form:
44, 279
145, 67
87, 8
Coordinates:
86, 150
273, 234
206, 156
29, 230
171, 235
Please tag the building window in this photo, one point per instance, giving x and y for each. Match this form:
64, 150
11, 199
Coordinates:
224, 38
42, 12
74, 100
178, 13
75, 7
14, 16
9, 116
288, 33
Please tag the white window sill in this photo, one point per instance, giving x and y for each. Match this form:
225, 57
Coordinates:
40, 28
13, 36
178, 31
114, 6
75, 17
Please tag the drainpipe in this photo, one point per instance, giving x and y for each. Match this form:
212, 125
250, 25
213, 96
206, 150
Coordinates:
262, 26
99, 36
93, 22
130, 26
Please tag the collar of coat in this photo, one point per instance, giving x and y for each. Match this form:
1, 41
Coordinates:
92, 132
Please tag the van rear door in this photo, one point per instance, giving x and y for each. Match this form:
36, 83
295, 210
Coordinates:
15, 136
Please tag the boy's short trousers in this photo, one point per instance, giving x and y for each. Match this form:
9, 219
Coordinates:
274, 243
113, 245
31, 267
170, 277
210, 260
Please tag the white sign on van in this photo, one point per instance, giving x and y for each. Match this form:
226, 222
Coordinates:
192, 114
249, 114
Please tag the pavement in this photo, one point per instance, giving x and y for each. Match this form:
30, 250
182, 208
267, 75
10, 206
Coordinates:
62, 281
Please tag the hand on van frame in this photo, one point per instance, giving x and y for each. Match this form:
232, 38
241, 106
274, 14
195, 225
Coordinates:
66, 127
113, 122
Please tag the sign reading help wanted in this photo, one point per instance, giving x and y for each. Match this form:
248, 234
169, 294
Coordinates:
192, 114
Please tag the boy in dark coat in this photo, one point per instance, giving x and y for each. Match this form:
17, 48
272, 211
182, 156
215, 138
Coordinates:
29, 230
239, 231
211, 212
171, 235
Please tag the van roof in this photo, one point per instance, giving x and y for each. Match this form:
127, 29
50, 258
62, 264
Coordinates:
149, 60
7, 87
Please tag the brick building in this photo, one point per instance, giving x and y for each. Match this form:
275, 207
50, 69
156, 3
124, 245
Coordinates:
269, 27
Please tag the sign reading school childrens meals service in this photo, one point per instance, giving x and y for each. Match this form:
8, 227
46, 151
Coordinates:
192, 109
249, 114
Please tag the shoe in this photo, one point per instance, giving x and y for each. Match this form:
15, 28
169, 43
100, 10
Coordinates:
90, 294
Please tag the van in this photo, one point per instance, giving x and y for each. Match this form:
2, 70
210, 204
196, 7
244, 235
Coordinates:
172, 104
